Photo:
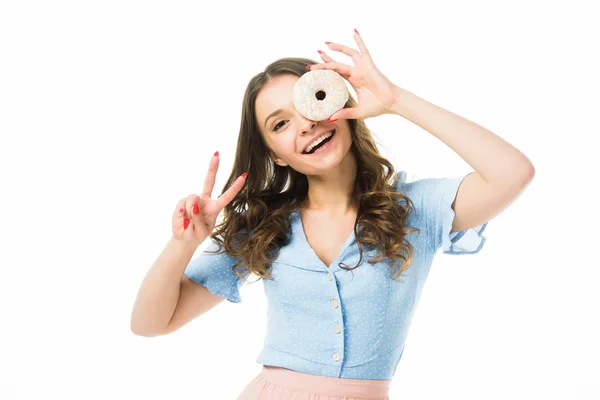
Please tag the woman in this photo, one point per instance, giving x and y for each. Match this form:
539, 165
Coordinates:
305, 224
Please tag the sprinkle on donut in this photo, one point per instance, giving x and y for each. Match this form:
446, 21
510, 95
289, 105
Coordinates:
317, 95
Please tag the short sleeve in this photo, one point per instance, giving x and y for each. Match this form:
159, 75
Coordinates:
435, 197
214, 271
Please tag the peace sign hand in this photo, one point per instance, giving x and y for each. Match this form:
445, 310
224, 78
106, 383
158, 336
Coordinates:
376, 93
195, 216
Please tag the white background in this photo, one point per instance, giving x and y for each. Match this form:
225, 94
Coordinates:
110, 112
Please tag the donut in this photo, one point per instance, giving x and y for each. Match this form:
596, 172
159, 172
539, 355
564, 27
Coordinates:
319, 94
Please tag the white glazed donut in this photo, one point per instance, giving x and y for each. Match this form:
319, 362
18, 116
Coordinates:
319, 94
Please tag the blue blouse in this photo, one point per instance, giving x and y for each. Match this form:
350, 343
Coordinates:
324, 320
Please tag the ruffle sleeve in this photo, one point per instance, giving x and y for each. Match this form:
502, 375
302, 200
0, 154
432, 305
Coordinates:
468, 241
214, 271
434, 197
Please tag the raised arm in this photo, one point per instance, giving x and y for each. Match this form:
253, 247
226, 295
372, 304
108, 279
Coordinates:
166, 298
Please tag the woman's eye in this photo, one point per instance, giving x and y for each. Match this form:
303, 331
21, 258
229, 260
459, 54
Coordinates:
275, 128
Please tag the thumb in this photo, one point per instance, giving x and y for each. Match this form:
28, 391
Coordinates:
346, 113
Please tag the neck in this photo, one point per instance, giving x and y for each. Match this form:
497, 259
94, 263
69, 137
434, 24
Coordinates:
332, 191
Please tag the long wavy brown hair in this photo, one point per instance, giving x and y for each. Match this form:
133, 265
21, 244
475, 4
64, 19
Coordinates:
256, 223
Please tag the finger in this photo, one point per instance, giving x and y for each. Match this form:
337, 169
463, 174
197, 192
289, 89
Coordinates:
342, 69
180, 207
211, 176
361, 45
346, 50
182, 213
230, 193
192, 204
326, 58
330, 60
346, 113
197, 219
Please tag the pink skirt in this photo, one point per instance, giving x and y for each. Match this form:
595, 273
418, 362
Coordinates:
276, 383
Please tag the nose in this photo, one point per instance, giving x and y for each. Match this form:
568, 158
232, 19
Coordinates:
307, 124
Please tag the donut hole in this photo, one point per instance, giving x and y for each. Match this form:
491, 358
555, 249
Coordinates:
320, 95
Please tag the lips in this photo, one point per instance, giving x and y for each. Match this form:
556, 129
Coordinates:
332, 131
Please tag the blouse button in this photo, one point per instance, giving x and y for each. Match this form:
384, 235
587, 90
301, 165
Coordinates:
329, 276
334, 303
338, 329
336, 356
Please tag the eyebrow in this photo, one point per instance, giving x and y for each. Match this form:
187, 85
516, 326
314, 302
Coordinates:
273, 114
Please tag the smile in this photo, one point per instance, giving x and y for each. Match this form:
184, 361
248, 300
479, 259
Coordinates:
321, 146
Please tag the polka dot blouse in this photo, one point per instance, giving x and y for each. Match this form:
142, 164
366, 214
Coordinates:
323, 320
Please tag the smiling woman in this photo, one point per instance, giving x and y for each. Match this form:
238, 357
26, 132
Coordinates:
338, 203
342, 241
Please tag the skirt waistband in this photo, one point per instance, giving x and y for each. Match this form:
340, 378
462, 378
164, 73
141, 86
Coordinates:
341, 387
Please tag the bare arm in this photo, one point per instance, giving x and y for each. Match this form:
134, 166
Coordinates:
194, 300
156, 310
158, 295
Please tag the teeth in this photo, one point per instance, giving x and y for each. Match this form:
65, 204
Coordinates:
317, 141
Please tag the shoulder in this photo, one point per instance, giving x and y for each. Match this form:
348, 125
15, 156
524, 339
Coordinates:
412, 182
428, 196
414, 188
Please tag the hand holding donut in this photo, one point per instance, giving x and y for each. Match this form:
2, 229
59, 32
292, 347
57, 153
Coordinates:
376, 93
195, 216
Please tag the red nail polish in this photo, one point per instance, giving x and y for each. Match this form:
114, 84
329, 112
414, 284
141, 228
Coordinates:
195, 209
320, 52
308, 67
245, 174
216, 154
181, 210
186, 223
331, 120
327, 43
356, 31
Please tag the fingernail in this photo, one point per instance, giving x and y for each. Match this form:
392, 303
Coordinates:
356, 31
216, 154
331, 120
327, 43
181, 210
320, 52
245, 174
195, 209
186, 223
308, 67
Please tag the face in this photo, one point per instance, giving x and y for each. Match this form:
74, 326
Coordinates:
288, 133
